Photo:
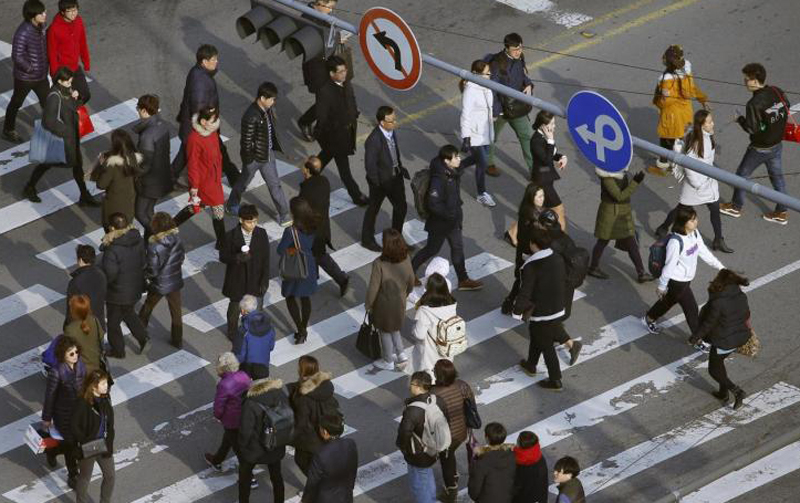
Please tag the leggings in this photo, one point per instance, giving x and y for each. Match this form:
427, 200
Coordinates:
716, 369
629, 244
300, 314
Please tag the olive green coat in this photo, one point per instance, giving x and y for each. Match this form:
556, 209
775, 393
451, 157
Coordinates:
120, 189
614, 216
89, 344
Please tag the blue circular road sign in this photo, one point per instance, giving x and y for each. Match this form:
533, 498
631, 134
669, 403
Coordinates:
599, 130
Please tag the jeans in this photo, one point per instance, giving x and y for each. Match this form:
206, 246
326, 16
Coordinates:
21, 90
434, 244
269, 171
144, 209
85, 476
228, 443
391, 346
422, 484
522, 127
343, 166
716, 369
396, 192
754, 158
234, 313
478, 156
246, 475
116, 315
678, 292
543, 335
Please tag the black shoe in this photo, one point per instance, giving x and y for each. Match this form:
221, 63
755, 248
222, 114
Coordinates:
306, 131
72, 481
144, 345
507, 307
29, 192
661, 232
12, 136
210, 462
722, 395
644, 277
574, 351
361, 200
738, 399
300, 337
88, 200
531, 371
372, 246
719, 245
52, 462
551, 385
598, 273
343, 286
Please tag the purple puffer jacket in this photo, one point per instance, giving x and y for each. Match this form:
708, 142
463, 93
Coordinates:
228, 400
29, 53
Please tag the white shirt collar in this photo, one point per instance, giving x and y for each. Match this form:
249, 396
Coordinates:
539, 255
388, 134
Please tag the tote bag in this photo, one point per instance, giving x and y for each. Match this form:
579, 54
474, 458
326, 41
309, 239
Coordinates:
47, 148
293, 265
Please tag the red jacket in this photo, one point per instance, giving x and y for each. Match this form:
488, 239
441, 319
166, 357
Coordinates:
66, 44
204, 161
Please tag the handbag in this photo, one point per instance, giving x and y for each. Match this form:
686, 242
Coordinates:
293, 265
46, 147
85, 125
94, 448
514, 109
471, 416
369, 339
791, 131
751, 347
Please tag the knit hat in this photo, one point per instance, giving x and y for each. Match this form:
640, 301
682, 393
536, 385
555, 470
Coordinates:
440, 265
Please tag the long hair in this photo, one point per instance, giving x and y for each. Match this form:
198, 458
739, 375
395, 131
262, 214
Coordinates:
80, 308
122, 145
724, 278
395, 249
304, 216
478, 67
437, 294
543, 118
91, 381
527, 208
694, 138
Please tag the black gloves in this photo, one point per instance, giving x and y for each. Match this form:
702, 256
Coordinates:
638, 177
466, 145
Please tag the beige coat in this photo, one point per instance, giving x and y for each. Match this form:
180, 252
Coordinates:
389, 286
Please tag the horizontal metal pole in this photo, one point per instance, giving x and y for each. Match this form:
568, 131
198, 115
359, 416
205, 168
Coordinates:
680, 159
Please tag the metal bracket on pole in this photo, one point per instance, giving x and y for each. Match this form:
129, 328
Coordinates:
331, 36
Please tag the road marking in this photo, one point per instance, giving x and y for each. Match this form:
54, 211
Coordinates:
26, 301
5, 50
549, 10
126, 387
24, 212
22, 365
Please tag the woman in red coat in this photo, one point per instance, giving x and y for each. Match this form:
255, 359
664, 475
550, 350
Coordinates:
204, 160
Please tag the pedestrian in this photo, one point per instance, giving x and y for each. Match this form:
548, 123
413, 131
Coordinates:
491, 476
29, 60
615, 221
116, 171
508, 68
299, 238
124, 260
725, 325
312, 399
315, 189
565, 475
548, 163
86, 332
205, 172
92, 420
451, 393
259, 145
332, 475
680, 266
765, 121
90, 280
477, 128
60, 117
696, 188
530, 479
245, 253
66, 46
673, 96
541, 300
228, 406
155, 180
255, 339
337, 120
63, 391
385, 173
409, 438
435, 305
446, 219
164, 274
390, 283
531, 206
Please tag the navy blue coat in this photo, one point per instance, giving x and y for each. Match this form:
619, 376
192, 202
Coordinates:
29, 53
303, 287
444, 199
91, 281
199, 91
62, 394
156, 178
254, 343
124, 265
165, 256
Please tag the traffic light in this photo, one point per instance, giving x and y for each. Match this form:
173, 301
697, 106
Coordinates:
275, 24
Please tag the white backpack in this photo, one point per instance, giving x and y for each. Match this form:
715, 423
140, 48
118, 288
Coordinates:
451, 337
435, 431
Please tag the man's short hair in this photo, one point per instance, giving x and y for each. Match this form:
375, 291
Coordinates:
755, 71
569, 465
31, 9
205, 51
248, 212
118, 221
85, 253
447, 153
383, 112
495, 433
334, 62
248, 304
422, 380
149, 103
64, 5
512, 40
267, 90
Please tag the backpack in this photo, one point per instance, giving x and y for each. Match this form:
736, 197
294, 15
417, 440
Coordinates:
419, 188
435, 431
277, 429
49, 355
451, 336
576, 260
658, 254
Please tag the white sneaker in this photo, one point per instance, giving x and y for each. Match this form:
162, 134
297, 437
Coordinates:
286, 223
402, 358
384, 365
486, 200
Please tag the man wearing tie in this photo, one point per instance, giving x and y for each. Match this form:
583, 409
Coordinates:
385, 173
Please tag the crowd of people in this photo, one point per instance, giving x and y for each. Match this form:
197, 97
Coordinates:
260, 416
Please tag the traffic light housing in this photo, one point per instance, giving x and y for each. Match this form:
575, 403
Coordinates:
277, 25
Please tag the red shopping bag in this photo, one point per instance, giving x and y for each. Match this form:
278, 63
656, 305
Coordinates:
85, 125
792, 129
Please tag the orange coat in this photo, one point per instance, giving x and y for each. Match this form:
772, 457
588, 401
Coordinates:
675, 102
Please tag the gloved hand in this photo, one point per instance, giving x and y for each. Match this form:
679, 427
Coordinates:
466, 144
638, 177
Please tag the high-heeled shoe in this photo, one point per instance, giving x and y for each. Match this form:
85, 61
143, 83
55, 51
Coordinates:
300, 337
507, 239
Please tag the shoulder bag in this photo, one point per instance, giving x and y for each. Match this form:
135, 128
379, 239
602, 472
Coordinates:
369, 339
46, 147
293, 265
471, 416
95, 447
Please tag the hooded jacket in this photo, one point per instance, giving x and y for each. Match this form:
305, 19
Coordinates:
89, 280
413, 423
62, 394
530, 479
444, 198
204, 159
90, 344
674, 94
256, 342
156, 178
476, 115
491, 478
120, 188
310, 400
425, 355
63, 124
165, 256
765, 117
332, 474
266, 393
724, 320
66, 44
124, 263
29, 52
697, 188
228, 398
542, 288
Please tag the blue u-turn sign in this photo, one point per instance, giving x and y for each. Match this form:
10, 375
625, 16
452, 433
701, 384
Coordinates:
599, 130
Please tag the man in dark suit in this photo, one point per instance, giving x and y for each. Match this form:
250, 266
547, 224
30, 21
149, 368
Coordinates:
245, 253
385, 173
88, 279
337, 115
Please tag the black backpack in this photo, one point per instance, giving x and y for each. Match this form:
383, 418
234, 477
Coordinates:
277, 428
576, 260
419, 188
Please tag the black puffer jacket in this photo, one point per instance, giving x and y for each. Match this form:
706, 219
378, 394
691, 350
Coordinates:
444, 198
62, 394
124, 264
165, 255
266, 393
724, 319
156, 178
310, 400
254, 141
86, 422
29, 52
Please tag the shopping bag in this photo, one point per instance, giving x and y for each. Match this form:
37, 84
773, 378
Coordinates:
369, 339
46, 148
85, 125
791, 131
37, 438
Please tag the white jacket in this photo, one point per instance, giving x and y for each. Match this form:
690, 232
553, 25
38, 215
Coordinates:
424, 355
681, 265
476, 115
696, 188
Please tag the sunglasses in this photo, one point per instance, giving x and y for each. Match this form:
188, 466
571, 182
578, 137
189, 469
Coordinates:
74, 352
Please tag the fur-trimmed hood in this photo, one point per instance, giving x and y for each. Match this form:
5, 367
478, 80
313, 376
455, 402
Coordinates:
111, 236
162, 235
485, 449
214, 126
261, 386
607, 174
118, 161
313, 382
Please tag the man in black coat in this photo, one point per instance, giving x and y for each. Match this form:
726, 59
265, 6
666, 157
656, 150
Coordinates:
337, 116
124, 264
332, 475
245, 253
385, 173
89, 280
155, 181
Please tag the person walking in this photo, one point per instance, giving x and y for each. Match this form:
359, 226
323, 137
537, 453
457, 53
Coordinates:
491, 476
245, 253
680, 266
259, 144
86, 332
531, 206
565, 475
332, 474
164, 275
124, 260
725, 325
66, 46
477, 128
530, 479
385, 173
155, 180
116, 171
548, 163
60, 117
615, 221
90, 280
255, 341
315, 189
390, 283
299, 239
696, 188
765, 121
231, 387
93, 419
435, 305
337, 120
63, 391
29, 60
446, 218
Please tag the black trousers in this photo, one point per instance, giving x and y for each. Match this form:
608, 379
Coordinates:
79, 84
716, 369
303, 460
543, 335
228, 442
67, 448
449, 467
326, 262
343, 166
309, 117
144, 209
116, 315
77, 175
246, 475
666, 143
396, 193
21, 90
678, 292
435, 241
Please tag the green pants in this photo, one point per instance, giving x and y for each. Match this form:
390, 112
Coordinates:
524, 131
